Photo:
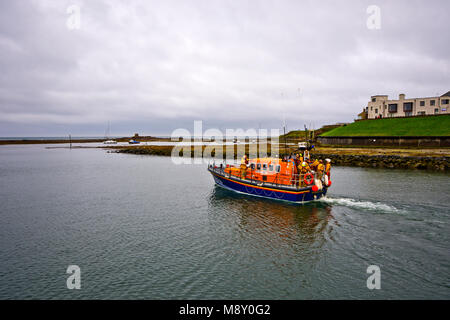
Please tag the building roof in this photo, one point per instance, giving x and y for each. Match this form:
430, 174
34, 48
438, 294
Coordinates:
446, 94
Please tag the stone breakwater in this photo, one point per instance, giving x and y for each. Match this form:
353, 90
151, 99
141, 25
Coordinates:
387, 161
435, 163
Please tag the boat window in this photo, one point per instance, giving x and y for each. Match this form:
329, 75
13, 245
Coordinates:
252, 166
270, 167
258, 166
278, 168
265, 166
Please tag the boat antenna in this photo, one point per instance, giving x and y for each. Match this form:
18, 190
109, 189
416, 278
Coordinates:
306, 134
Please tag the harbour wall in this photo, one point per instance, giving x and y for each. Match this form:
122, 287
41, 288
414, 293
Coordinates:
388, 161
367, 141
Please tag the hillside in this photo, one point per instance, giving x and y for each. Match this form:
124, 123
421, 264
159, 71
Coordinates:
414, 126
300, 134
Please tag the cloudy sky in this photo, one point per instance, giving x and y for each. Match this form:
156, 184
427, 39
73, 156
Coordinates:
154, 66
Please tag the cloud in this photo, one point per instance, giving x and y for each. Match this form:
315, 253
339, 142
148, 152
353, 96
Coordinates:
158, 65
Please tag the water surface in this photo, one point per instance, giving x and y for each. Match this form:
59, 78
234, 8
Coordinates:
140, 227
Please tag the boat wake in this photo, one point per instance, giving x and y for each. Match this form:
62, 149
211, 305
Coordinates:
357, 204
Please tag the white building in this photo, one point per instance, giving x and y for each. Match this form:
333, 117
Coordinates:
381, 107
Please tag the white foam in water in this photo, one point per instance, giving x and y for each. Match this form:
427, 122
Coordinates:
368, 205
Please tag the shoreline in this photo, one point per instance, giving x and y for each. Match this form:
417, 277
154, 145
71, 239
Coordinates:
67, 141
433, 160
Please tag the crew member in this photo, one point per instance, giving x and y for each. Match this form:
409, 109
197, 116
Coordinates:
298, 160
306, 155
327, 171
303, 169
320, 169
244, 165
314, 165
328, 167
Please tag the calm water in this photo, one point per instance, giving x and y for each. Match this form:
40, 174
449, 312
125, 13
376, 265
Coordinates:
141, 227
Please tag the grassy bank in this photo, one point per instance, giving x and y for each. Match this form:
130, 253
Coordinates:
414, 126
300, 135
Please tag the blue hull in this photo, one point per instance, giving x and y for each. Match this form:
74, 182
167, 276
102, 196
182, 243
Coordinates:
246, 187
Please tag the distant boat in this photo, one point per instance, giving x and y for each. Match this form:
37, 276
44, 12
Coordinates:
108, 141
133, 142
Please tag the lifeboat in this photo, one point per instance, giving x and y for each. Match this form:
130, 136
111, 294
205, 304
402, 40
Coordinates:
272, 178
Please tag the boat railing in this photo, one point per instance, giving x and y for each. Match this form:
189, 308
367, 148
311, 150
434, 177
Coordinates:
296, 181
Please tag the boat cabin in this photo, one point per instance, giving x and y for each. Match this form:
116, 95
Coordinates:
270, 170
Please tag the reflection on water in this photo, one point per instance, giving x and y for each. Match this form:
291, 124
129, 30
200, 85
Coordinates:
275, 221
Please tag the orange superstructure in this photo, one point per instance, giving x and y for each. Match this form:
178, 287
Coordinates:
269, 170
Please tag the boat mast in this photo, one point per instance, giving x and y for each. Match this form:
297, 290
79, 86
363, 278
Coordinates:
107, 132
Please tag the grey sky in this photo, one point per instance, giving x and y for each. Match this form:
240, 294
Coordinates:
154, 66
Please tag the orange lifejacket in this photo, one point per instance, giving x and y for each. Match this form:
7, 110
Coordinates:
304, 169
315, 164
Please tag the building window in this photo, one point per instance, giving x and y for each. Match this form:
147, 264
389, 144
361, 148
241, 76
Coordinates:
422, 103
436, 111
376, 110
374, 99
407, 106
421, 113
445, 101
371, 108
432, 102
392, 108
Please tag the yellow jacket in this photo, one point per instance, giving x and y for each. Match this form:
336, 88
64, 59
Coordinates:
304, 169
320, 167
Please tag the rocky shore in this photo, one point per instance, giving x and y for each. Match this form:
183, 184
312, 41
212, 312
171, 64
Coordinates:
388, 161
338, 157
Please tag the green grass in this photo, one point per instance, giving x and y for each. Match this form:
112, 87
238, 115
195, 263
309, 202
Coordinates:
415, 126
300, 134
